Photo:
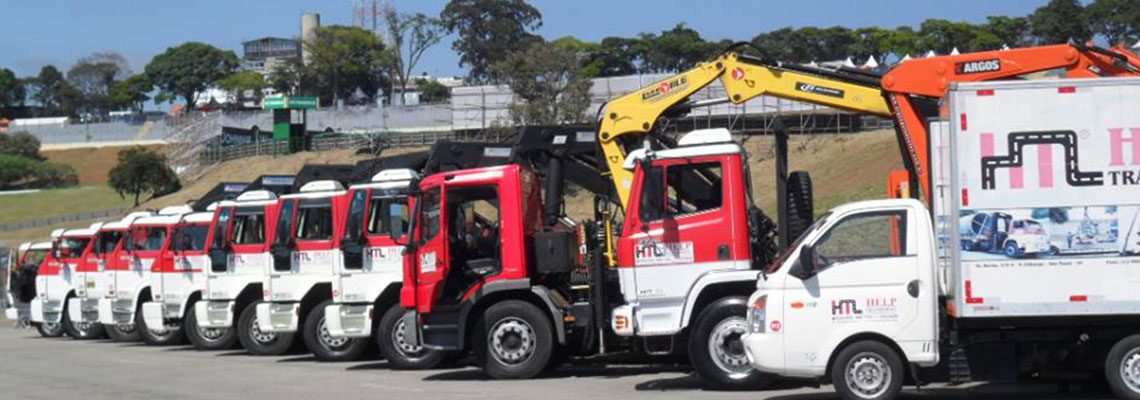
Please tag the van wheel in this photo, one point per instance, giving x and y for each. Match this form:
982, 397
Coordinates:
323, 345
1122, 368
207, 338
397, 349
256, 341
81, 330
123, 333
867, 370
716, 350
49, 329
515, 340
1011, 250
172, 336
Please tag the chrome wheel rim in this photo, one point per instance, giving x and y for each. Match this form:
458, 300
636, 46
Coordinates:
1130, 370
327, 338
868, 375
211, 334
400, 341
512, 341
727, 349
258, 335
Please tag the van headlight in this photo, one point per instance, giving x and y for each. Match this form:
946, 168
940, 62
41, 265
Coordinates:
758, 314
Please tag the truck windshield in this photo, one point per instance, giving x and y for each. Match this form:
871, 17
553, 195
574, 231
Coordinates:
106, 242
192, 237
314, 221
148, 238
775, 266
34, 257
72, 247
388, 216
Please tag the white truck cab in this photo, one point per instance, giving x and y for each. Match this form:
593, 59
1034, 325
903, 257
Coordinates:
31, 255
297, 292
61, 279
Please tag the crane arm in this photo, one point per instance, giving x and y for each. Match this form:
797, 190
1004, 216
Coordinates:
744, 78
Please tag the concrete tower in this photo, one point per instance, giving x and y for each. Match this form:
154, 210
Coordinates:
309, 24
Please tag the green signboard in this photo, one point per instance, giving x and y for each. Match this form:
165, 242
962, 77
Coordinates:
290, 103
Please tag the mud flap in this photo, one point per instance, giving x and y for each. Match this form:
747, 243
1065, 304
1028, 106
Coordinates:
412, 335
214, 314
278, 317
152, 315
349, 321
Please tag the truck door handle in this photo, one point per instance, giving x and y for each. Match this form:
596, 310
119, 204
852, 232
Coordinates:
912, 288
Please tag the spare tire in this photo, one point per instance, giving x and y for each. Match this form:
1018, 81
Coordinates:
801, 209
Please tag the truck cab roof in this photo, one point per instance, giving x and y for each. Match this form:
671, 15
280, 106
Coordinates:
318, 190
399, 178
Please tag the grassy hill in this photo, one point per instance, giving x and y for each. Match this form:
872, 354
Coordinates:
844, 168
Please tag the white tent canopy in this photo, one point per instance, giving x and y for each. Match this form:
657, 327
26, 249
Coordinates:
1137, 45
849, 63
905, 59
954, 52
871, 63
931, 53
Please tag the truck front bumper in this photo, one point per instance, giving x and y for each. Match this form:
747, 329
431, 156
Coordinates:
214, 314
765, 352
278, 317
349, 320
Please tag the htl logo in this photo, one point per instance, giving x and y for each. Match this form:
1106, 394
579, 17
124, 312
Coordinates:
845, 307
1120, 143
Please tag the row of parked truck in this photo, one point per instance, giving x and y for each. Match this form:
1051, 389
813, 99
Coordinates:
469, 250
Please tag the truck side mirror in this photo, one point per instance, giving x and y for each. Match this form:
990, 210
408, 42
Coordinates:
806, 267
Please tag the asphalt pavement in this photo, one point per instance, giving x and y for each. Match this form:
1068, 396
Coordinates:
35, 368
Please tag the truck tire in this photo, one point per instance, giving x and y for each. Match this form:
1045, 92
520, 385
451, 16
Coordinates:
390, 339
257, 342
80, 331
169, 338
1011, 250
204, 338
123, 333
514, 340
801, 208
715, 349
49, 329
1122, 368
867, 370
324, 347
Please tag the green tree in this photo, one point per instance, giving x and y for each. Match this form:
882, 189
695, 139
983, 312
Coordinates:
244, 85
131, 93
188, 69
51, 90
347, 60
94, 77
677, 49
432, 91
12, 91
943, 36
488, 31
21, 144
547, 80
140, 171
1117, 20
1011, 31
15, 169
1059, 21
290, 76
409, 36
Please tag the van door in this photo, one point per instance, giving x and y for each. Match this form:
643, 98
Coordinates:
865, 280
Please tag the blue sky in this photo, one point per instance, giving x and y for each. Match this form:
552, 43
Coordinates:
59, 32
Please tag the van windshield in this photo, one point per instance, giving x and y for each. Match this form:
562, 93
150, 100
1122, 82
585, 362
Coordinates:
775, 266
106, 242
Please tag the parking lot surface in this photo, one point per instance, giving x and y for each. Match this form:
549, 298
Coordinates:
35, 368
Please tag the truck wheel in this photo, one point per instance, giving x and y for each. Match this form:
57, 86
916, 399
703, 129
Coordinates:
1011, 250
256, 341
1122, 368
515, 340
173, 335
123, 333
867, 370
207, 338
49, 329
715, 348
82, 330
323, 345
394, 346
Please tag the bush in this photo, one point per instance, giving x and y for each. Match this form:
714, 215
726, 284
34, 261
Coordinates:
21, 144
16, 169
19, 171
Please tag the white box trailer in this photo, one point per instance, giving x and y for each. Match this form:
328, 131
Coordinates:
1027, 264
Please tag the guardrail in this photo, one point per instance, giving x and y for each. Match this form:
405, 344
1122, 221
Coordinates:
50, 221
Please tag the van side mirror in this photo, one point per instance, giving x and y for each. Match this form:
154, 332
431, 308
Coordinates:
805, 267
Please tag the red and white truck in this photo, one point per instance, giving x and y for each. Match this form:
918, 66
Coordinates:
884, 291
58, 278
129, 275
22, 285
178, 280
91, 278
366, 291
239, 261
307, 256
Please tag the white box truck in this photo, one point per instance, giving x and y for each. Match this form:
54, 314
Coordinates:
1026, 267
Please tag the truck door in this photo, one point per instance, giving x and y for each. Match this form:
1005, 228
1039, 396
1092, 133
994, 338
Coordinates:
430, 260
681, 228
219, 245
385, 222
315, 229
865, 280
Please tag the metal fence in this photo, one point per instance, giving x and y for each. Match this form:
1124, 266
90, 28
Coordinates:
50, 221
218, 153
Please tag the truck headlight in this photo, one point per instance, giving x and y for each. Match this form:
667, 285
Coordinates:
758, 314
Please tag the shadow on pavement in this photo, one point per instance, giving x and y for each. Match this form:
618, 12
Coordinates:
567, 371
691, 382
